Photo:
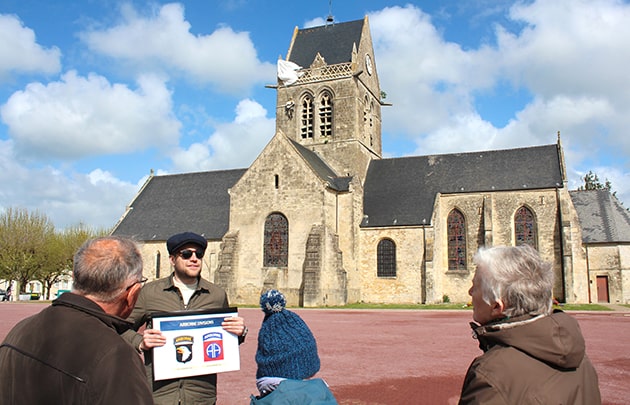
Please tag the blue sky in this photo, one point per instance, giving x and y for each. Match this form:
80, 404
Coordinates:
96, 94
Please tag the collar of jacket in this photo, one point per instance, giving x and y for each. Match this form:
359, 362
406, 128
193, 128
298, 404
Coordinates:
203, 285
480, 332
83, 304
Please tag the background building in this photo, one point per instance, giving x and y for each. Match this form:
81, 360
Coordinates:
323, 217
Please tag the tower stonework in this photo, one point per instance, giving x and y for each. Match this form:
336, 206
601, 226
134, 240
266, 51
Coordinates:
334, 107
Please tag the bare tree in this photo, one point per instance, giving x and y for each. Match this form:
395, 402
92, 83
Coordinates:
59, 252
23, 239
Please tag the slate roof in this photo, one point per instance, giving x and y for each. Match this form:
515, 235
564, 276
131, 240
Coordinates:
322, 169
333, 41
602, 217
402, 191
170, 204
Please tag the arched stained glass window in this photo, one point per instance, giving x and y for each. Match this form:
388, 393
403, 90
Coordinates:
276, 249
386, 258
325, 115
307, 117
525, 228
456, 231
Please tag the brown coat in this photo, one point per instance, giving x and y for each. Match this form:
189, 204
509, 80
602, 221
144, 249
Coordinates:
531, 360
71, 353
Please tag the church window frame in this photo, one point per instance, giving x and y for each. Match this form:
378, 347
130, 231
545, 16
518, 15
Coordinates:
276, 241
307, 116
386, 258
325, 110
456, 240
525, 227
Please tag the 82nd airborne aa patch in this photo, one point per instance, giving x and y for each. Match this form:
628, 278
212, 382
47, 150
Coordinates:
213, 346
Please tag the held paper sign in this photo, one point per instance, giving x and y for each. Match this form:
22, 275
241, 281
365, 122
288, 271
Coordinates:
196, 344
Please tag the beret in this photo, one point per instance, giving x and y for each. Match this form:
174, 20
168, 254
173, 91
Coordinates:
177, 241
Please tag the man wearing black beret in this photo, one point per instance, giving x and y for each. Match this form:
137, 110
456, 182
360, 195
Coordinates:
184, 289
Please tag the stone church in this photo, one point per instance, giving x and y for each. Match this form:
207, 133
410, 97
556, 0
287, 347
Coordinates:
322, 216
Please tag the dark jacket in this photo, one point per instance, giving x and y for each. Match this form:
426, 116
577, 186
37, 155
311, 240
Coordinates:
71, 353
531, 360
162, 296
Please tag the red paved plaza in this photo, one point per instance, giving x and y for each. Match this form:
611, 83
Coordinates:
372, 357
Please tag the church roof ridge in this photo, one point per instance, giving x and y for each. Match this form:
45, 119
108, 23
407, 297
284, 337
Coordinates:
416, 180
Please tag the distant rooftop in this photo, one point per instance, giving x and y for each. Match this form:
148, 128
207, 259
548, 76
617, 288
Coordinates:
602, 217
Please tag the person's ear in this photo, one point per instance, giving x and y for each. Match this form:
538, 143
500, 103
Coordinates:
497, 308
132, 295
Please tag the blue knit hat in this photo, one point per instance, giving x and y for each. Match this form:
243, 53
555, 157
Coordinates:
286, 346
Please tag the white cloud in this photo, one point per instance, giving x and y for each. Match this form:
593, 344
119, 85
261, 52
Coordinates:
225, 59
232, 145
425, 78
19, 51
573, 47
569, 57
66, 198
82, 116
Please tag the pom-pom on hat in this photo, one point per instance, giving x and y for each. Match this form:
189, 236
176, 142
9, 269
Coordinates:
286, 346
177, 241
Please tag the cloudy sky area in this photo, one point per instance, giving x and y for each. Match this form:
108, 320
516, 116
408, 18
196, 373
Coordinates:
95, 95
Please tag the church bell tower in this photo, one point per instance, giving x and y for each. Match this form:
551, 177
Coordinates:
328, 95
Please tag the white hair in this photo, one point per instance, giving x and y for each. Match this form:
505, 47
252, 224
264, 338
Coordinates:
517, 276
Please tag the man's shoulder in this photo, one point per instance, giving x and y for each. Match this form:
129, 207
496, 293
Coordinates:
208, 285
158, 284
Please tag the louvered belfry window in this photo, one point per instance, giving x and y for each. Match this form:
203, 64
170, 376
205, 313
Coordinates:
276, 249
325, 115
307, 117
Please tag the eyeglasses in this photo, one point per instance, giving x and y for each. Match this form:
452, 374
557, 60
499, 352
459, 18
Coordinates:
141, 281
187, 254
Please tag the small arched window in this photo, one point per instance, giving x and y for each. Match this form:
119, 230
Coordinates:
525, 228
386, 258
306, 129
456, 232
276, 249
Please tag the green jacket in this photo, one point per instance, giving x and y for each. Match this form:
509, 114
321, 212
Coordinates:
162, 296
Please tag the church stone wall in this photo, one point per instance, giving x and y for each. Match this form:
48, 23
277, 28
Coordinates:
575, 277
345, 112
300, 196
406, 286
502, 207
624, 265
454, 284
605, 260
351, 213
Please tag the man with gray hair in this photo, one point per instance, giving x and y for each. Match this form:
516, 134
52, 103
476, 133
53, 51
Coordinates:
72, 351
532, 354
